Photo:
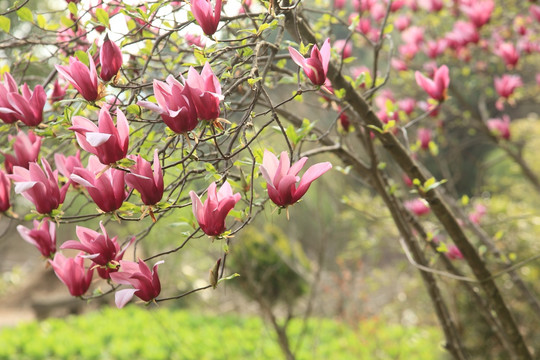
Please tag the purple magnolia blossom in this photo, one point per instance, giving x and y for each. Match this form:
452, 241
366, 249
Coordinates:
72, 272
82, 77
27, 107
281, 177
5, 189
205, 91
42, 236
147, 182
101, 249
40, 186
316, 66
206, 16
107, 190
175, 104
111, 60
26, 149
145, 282
211, 215
437, 87
108, 142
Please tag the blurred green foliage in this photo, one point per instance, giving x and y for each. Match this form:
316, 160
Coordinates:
135, 333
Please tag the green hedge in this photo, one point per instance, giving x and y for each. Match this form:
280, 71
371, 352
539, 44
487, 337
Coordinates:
138, 333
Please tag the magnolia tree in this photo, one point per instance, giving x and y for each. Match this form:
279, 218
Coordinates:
137, 112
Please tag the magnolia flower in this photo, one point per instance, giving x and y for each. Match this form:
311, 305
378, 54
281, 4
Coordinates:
281, 178
316, 66
175, 104
507, 84
206, 92
206, 17
500, 127
508, 53
42, 236
58, 92
40, 186
108, 142
26, 149
146, 284
65, 165
27, 107
453, 253
344, 48
5, 189
147, 182
479, 11
418, 207
437, 87
107, 190
424, 137
72, 273
211, 215
82, 77
104, 251
110, 58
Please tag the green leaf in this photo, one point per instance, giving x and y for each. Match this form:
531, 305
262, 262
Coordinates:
72, 7
25, 14
41, 21
5, 24
67, 22
102, 17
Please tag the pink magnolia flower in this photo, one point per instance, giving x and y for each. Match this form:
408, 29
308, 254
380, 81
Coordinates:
206, 17
435, 48
65, 165
145, 282
104, 251
195, 40
344, 48
149, 184
40, 186
5, 189
431, 5
507, 84
424, 137
58, 92
111, 60
479, 12
82, 77
453, 253
508, 53
108, 142
478, 213
413, 35
437, 87
339, 4
417, 206
26, 149
281, 178
175, 104
42, 236
534, 10
407, 105
9, 86
107, 190
462, 33
500, 127
399, 64
316, 66
205, 92
402, 22
72, 273
27, 107
211, 215
377, 11
408, 50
